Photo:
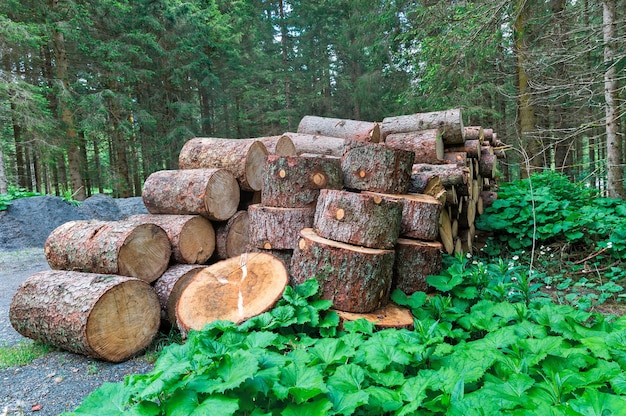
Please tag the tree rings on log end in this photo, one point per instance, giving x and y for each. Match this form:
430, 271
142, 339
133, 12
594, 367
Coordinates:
389, 316
222, 196
255, 165
232, 237
170, 285
145, 253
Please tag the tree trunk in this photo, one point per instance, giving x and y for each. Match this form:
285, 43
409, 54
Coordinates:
415, 260
107, 317
3, 174
169, 287
471, 148
119, 247
244, 158
389, 316
377, 168
232, 236
425, 144
321, 145
360, 131
356, 279
450, 122
212, 193
278, 228
235, 289
487, 165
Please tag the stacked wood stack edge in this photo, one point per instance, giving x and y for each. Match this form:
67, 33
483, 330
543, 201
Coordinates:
362, 207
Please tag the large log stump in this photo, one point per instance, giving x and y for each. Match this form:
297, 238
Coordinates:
192, 236
449, 121
120, 247
321, 145
377, 168
389, 316
361, 131
235, 289
360, 219
107, 317
212, 193
354, 278
232, 236
426, 144
244, 158
415, 260
278, 228
295, 182
170, 285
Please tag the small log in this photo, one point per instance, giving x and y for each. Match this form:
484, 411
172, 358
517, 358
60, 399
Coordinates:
121, 247
420, 215
377, 168
278, 145
468, 216
389, 316
192, 236
449, 174
361, 219
458, 158
488, 197
445, 232
488, 135
234, 289
170, 285
212, 193
361, 131
295, 182
474, 133
471, 148
107, 317
415, 260
488, 165
356, 279
450, 122
232, 236
426, 144
244, 158
320, 145
278, 228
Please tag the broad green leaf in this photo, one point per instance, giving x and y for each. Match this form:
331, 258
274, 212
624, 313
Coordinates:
181, 403
284, 315
260, 339
618, 383
382, 400
217, 405
388, 379
331, 350
263, 380
595, 403
308, 289
300, 382
109, 400
597, 345
508, 393
444, 283
345, 403
381, 355
347, 377
360, 325
537, 349
319, 407
235, 369
415, 301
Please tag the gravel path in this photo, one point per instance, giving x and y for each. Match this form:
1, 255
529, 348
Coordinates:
58, 381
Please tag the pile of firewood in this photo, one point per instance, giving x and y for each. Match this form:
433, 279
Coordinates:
363, 207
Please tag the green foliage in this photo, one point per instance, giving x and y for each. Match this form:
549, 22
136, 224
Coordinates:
22, 353
471, 352
13, 194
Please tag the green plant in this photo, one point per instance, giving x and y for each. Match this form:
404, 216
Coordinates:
22, 353
13, 194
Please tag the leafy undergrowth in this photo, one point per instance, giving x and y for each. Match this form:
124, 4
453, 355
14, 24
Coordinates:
484, 345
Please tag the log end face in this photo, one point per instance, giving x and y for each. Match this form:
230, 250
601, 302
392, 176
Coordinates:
255, 164
222, 196
145, 253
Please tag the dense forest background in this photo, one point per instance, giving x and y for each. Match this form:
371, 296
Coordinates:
96, 95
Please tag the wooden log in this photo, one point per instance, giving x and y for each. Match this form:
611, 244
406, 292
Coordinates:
415, 260
474, 133
388, 316
449, 174
232, 236
458, 158
471, 148
360, 219
107, 317
283, 255
488, 197
449, 121
278, 228
354, 278
295, 182
192, 236
278, 145
234, 289
316, 144
377, 168
435, 189
426, 144
120, 247
420, 215
361, 131
212, 193
467, 218
488, 165
488, 135
445, 232
244, 158
170, 285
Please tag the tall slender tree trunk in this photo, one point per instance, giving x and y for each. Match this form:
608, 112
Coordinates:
285, 56
20, 148
615, 169
3, 174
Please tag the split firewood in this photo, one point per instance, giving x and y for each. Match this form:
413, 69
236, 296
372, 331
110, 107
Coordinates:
389, 316
107, 317
244, 158
451, 175
426, 144
361, 131
319, 145
232, 236
415, 260
212, 193
449, 121
278, 228
354, 278
170, 285
113, 247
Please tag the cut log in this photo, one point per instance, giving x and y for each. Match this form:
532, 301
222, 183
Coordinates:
120, 247
232, 237
169, 287
474, 133
468, 216
283, 255
415, 260
471, 148
420, 215
192, 236
107, 317
355, 279
445, 232
450, 122
278, 145
360, 219
458, 158
488, 135
295, 182
212, 193
389, 316
361, 131
316, 144
435, 189
488, 165
377, 168
278, 228
426, 144
244, 158
234, 289
449, 174
488, 197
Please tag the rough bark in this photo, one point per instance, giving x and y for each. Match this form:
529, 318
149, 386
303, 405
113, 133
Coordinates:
458, 158
389, 316
107, 317
471, 148
487, 165
212, 193
120, 247
278, 228
450, 175
283, 255
356, 279
361, 131
317, 144
474, 133
295, 182
232, 236
361, 219
450, 122
244, 158
192, 236
427, 145
488, 197
415, 260
169, 287
234, 289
